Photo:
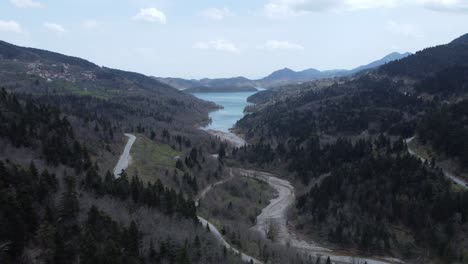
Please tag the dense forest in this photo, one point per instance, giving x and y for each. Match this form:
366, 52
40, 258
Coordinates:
59, 207
42, 127
365, 104
446, 130
341, 142
430, 61
403, 193
343, 145
80, 87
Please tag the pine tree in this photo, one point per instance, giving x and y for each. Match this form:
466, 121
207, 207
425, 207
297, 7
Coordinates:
46, 238
68, 228
152, 252
134, 241
70, 207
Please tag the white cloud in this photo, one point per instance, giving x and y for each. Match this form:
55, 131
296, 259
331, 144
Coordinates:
281, 10
216, 13
288, 8
445, 5
90, 23
56, 28
281, 45
407, 30
11, 26
151, 15
26, 3
218, 45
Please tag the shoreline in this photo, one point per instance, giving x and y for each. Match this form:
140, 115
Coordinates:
229, 137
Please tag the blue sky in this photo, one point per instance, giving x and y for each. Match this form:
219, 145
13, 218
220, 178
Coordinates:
207, 38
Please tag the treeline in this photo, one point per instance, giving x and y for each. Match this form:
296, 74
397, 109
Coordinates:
154, 195
27, 124
25, 201
446, 130
370, 189
310, 158
430, 61
30, 217
43, 217
371, 195
447, 84
360, 203
366, 104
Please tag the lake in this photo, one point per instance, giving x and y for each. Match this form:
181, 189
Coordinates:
233, 103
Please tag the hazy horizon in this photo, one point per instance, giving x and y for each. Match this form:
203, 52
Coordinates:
218, 39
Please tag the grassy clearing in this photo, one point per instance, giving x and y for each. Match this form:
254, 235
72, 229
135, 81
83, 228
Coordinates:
85, 92
150, 160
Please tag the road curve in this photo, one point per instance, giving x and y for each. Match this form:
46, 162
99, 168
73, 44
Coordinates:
203, 193
124, 159
455, 179
223, 242
123, 163
276, 214
213, 229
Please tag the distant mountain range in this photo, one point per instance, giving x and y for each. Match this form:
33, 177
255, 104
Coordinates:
281, 77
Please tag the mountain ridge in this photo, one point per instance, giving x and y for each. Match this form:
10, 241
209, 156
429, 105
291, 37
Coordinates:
280, 77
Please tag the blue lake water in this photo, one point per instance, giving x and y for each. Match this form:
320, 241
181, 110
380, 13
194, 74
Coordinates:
233, 103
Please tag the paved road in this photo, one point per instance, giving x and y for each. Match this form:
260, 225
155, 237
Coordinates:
124, 159
447, 174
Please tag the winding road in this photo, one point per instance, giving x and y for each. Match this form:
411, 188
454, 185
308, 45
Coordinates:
123, 163
275, 213
223, 242
203, 193
455, 179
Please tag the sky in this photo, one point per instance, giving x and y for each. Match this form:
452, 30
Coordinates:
251, 38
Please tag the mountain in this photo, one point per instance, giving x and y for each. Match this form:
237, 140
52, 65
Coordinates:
220, 89
343, 141
461, 40
278, 78
53, 77
389, 58
287, 74
62, 125
431, 60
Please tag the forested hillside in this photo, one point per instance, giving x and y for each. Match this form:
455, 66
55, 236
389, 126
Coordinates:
61, 132
446, 130
343, 144
59, 208
86, 89
431, 60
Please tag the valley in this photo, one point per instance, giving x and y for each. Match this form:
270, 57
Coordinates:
361, 166
275, 215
